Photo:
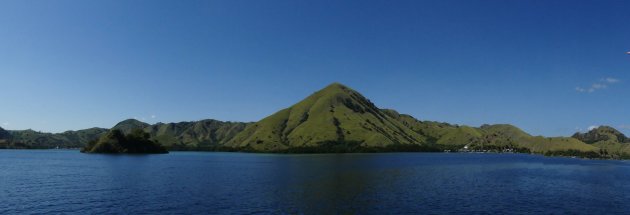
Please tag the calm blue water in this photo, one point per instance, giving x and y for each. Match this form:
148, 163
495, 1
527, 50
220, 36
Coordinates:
57, 181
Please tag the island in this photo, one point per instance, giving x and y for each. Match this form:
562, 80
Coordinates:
115, 141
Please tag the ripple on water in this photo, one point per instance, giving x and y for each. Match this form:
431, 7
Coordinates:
67, 182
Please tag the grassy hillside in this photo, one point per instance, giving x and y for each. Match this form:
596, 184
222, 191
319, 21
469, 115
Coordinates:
338, 119
501, 136
128, 125
611, 142
204, 134
602, 133
333, 115
504, 135
40, 140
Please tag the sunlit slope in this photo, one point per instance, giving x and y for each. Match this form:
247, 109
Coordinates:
509, 135
335, 114
602, 133
438, 132
500, 136
612, 143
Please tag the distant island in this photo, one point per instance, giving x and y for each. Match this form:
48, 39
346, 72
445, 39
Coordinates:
336, 119
115, 142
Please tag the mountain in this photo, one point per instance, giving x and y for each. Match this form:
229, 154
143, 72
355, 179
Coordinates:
601, 133
337, 119
509, 135
489, 137
610, 141
335, 115
204, 135
80, 137
115, 141
198, 135
126, 126
437, 132
41, 140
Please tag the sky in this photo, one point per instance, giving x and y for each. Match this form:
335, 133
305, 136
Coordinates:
549, 67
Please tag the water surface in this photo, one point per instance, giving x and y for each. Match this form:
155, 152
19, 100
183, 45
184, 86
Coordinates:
61, 181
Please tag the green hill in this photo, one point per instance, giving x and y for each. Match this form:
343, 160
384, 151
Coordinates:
205, 133
504, 135
128, 125
332, 116
79, 138
611, 142
198, 135
29, 139
602, 133
489, 137
115, 141
337, 119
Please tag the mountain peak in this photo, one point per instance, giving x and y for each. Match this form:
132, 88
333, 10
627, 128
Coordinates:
336, 115
335, 88
129, 124
601, 133
131, 121
336, 85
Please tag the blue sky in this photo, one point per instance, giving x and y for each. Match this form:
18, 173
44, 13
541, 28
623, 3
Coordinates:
549, 67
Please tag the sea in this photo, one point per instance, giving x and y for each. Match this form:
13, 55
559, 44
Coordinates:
70, 182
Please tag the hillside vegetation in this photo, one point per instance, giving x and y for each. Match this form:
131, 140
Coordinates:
610, 142
338, 119
335, 114
115, 141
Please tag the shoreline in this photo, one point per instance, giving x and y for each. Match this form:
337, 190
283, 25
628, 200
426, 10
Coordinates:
330, 152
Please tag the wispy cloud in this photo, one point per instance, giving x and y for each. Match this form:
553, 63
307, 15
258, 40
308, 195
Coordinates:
593, 127
5, 123
610, 80
627, 127
599, 85
152, 116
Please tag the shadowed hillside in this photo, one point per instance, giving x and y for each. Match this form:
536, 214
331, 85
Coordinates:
115, 141
29, 139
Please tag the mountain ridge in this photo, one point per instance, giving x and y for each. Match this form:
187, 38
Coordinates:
333, 114
337, 119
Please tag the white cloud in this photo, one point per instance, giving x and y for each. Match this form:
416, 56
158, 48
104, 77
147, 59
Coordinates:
5, 123
601, 84
579, 89
593, 127
610, 80
152, 116
598, 86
